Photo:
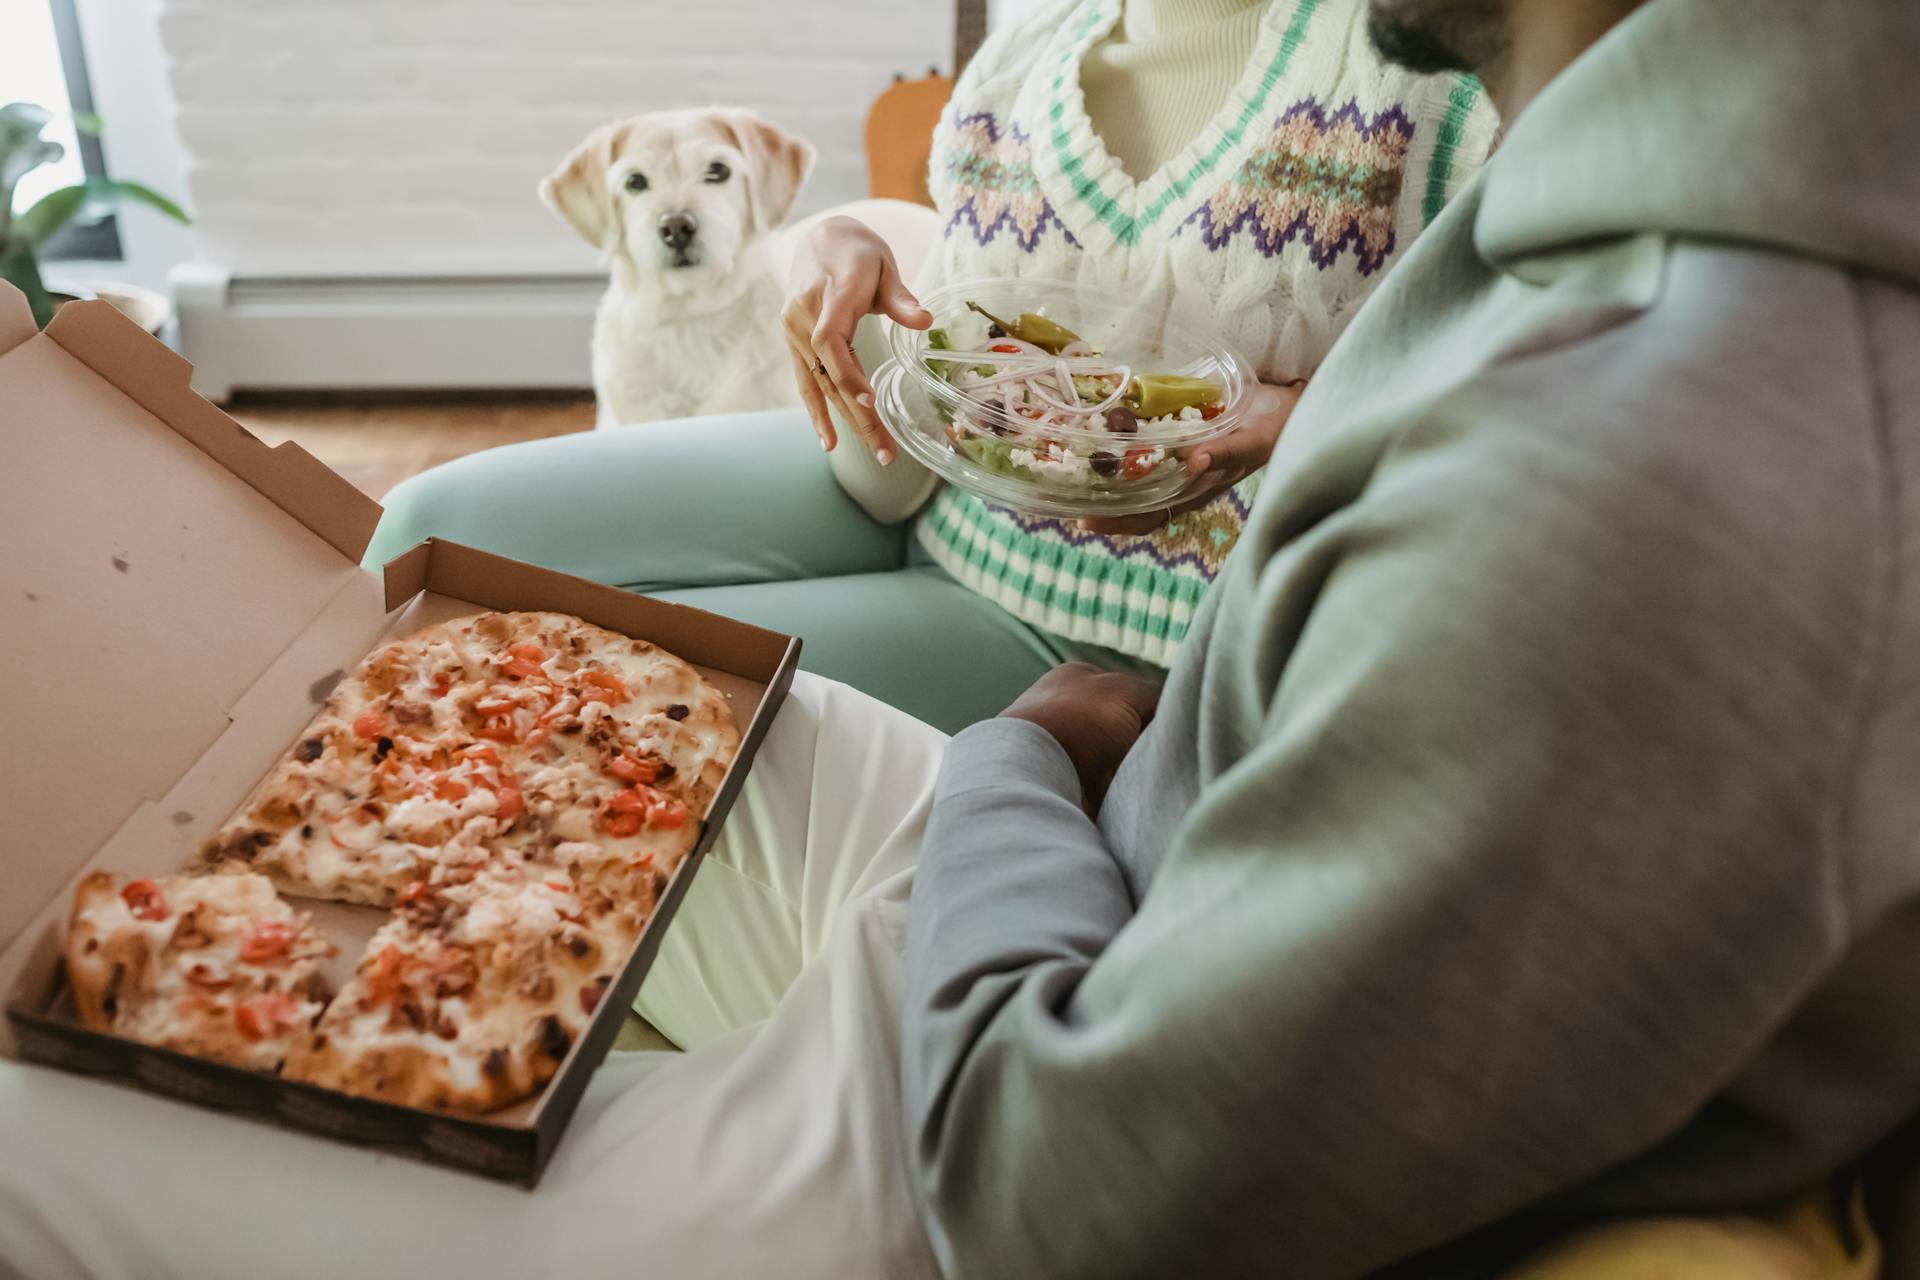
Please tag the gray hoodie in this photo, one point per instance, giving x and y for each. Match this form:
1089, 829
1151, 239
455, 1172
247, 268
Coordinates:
1530, 832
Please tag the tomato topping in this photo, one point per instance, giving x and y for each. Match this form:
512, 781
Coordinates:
524, 661
451, 790
1211, 411
632, 769
442, 685
1006, 348
632, 800
272, 940
387, 980
667, 813
144, 899
559, 886
499, 728
511, 804
482, 751
606, 688
620, 825
412, 892
370, 725
495, 706
265, 1016
640, 806
539, 734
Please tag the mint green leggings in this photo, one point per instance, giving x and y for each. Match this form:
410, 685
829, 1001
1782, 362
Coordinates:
738, 514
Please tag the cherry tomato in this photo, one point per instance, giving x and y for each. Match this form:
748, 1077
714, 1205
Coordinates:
525, 660
369, 725
1006, 348
144, 899
265, 1015
606, 688
1136, 464
625, 824
631, 769
270, 941
1211, 411
667, 813
510, 803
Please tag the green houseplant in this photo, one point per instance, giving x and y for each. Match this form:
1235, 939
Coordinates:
23, 233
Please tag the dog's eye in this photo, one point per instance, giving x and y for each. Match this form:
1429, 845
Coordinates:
636, 182
718, 172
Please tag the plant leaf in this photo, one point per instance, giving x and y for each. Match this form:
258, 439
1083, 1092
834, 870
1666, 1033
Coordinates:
44, 218
120, 190
86, 201
18, 266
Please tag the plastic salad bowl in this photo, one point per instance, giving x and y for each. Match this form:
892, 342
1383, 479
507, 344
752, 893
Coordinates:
1057, 400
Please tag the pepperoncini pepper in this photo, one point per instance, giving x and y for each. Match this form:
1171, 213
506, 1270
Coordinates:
1037, 329
1155, 395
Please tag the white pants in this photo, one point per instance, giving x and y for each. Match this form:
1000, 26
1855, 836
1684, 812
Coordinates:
772, 1147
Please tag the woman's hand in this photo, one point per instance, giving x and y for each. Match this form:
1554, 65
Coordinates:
842, 271
1220, 463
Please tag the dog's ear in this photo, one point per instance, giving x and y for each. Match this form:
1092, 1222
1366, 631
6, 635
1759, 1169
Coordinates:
778, 163
577, 190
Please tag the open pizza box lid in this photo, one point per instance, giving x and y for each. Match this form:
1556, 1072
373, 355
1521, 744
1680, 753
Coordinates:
179, 597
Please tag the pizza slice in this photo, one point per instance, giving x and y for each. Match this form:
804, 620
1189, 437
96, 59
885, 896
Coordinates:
470, 997
482, 739
216, 966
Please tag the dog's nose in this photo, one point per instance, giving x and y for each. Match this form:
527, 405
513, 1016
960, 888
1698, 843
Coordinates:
677, 229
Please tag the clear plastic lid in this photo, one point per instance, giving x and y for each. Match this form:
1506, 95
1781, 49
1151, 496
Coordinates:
1056, 399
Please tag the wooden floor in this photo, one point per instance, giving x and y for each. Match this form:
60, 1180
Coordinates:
378, 441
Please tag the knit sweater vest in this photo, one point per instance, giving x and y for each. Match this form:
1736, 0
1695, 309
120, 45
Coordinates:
1275, 223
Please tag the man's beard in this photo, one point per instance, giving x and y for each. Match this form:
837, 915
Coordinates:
1438, 35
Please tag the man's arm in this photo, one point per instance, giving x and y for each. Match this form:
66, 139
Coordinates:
1528, 851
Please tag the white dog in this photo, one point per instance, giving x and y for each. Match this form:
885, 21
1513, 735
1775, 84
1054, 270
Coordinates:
684, 205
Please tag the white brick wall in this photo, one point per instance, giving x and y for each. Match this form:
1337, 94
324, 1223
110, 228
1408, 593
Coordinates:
362, 137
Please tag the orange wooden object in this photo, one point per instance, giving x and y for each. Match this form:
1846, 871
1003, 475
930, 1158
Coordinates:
900, 138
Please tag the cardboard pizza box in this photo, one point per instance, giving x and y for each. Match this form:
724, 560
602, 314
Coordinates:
176, 602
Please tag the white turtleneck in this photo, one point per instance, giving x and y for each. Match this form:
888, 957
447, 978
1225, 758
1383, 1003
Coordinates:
1163, 73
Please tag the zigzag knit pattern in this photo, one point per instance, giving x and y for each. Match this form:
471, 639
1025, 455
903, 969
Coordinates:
1276, 222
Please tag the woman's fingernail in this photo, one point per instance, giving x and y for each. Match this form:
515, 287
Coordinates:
885, 456
1202, 461
824, 446
864, 399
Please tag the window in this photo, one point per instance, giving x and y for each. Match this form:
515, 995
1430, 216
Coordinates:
41, 62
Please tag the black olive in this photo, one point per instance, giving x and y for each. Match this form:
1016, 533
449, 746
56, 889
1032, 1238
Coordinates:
1121, 421
1104, 464
666, 773
307, 832
678, 711
554, 1040
310, 749
259, 839
578, 945
381, 748
995, 331
496, 1063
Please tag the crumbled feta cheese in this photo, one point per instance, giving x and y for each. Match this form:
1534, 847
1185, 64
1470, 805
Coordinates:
1191, 414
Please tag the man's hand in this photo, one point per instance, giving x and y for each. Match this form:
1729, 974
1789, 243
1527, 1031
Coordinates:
1096, 716
1221, 463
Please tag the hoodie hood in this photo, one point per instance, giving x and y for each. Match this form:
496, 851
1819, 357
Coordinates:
1792, 124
